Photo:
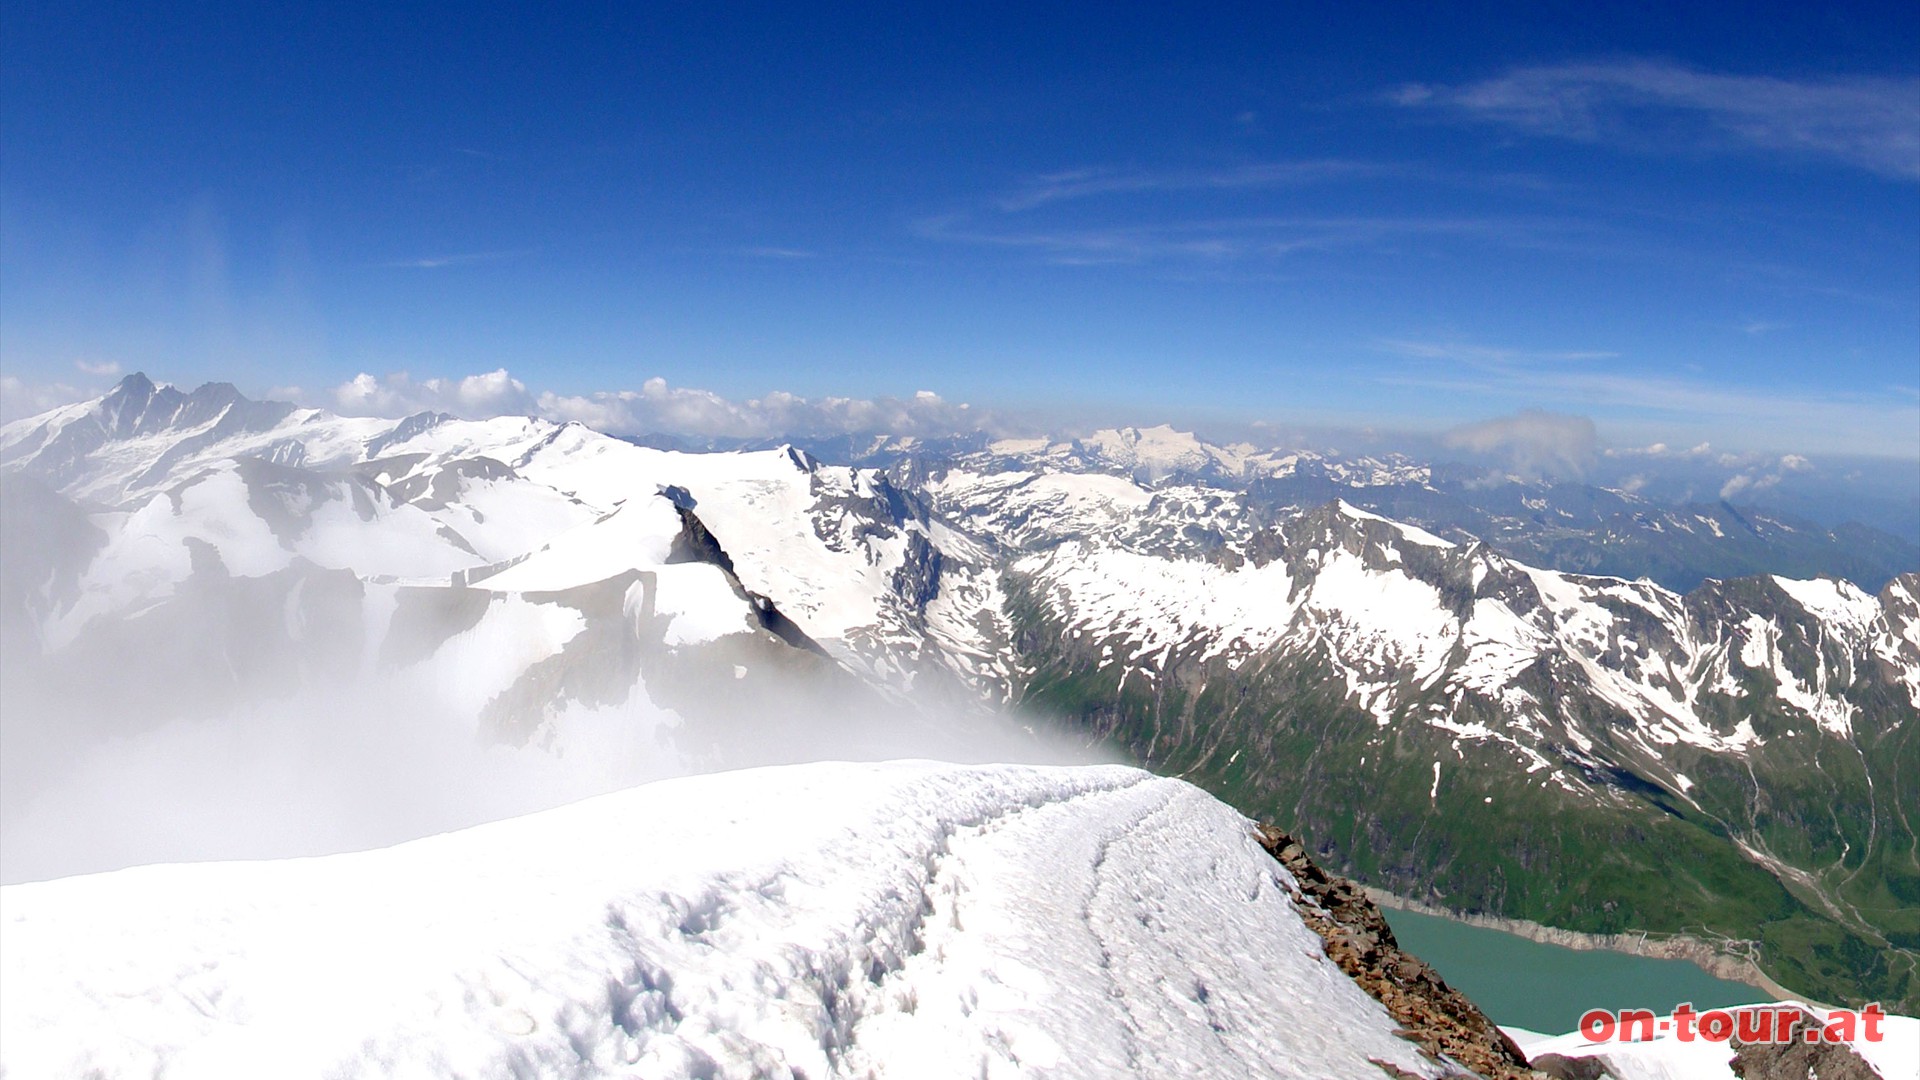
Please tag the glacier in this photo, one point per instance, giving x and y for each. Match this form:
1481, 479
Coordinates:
903, 919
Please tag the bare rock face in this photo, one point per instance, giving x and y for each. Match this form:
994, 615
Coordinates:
1562, 1067
1446, 1025
1797, 1060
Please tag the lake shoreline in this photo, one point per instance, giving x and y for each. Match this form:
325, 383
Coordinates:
1702, 954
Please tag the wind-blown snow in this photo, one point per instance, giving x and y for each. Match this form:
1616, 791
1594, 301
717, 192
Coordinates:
631, 536
473, 666
900, 920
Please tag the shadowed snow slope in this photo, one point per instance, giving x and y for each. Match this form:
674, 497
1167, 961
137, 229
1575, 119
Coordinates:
894, 920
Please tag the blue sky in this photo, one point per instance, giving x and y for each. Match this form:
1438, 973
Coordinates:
1695, 225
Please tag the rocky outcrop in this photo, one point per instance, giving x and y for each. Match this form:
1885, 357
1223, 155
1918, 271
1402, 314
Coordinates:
1796, 1059
1441, 1020
694, 543
1562, 1067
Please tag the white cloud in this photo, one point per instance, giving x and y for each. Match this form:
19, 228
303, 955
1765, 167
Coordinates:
493, 393
19, 398
1535, 443
659, 408
1759, 472
1658, 450
1747, 483
364, 395
1869, 123
103, 369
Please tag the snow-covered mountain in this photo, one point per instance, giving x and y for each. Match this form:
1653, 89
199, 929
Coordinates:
1561, 525
1732, 762
823, 920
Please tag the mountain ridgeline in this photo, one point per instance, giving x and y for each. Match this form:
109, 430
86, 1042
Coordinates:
1542, 702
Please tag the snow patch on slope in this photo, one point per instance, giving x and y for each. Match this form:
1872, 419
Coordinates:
1839, 604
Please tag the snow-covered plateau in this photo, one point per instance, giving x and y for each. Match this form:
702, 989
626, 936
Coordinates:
859, 920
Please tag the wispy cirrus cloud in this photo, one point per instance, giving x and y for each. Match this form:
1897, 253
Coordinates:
1085, 183
1227, 239
1488, 355
1868, 123
467, 258
1249, 212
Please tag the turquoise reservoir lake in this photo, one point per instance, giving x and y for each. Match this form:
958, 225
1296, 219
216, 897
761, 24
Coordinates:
1545, 988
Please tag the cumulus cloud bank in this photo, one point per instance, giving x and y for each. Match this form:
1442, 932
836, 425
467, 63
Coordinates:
1533, 443
658, 407
1762, 474
495, 393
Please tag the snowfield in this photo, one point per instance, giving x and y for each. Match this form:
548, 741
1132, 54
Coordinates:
890, 920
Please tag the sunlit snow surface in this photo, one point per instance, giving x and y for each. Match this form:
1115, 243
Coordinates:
899, 920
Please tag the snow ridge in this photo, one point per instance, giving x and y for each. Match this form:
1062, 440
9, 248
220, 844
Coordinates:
916, 920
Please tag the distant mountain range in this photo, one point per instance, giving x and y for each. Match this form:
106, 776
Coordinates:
1545, 701
1558, 525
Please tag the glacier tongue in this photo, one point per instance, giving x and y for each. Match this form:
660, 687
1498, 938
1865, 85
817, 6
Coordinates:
892, 920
